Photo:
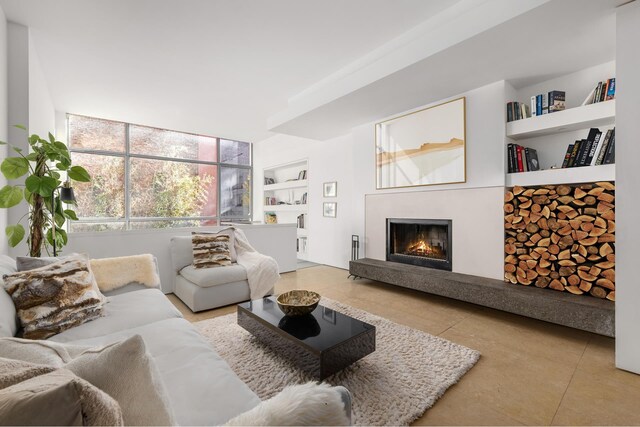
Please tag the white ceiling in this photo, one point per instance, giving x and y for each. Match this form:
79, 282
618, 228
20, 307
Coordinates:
521, 41
217, 67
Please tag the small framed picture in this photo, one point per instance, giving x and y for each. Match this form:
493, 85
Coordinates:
329, 209
330, 189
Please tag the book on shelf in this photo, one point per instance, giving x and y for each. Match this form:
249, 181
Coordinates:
302, 174
610, 156
594, 139
270, 218
567, 156
270, 201
521, 159
301, 244
532, 159
597, 149
603, 91
603, 142
544, 108
517, 111
539, 104
574, 153
300, 221
556, 101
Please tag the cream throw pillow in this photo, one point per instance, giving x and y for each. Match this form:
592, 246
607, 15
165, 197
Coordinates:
57, 398
54, 298
123, 370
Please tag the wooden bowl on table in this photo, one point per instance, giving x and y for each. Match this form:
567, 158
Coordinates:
298, 302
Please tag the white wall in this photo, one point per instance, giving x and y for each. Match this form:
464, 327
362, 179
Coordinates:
3, 120
350, 160
329, 240
41, 110
475, 206
627, 185
18, 105
476, 218
275, 241
29, 105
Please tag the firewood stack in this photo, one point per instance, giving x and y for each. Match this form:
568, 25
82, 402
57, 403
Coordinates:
562, 237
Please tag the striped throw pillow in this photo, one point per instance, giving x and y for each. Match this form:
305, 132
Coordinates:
210, 250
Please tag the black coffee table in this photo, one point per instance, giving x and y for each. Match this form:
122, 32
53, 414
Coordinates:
321, 343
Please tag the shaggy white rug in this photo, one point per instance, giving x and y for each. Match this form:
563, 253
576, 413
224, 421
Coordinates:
394, 385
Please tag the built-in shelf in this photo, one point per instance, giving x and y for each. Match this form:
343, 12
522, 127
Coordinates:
587, 116
287, 185
285, 208
562, 176
290, 184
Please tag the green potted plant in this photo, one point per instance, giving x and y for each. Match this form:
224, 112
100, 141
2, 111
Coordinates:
44, 165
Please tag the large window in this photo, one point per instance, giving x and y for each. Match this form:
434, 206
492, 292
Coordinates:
144, 177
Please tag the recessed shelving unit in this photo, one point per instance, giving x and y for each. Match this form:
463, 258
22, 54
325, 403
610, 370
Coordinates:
546, 133
583, 117
562, 176
285, 195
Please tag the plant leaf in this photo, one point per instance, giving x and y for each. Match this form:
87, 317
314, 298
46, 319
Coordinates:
10, 196
15, 234
78, 173
43, 186
61, 237
14, 167
62, 165
52, 138
17, 150
60, 219
3, 143
60, 146
63, 234
70, 214
27, 195
32, 157
20, 127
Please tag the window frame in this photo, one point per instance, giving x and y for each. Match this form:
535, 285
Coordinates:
127, 155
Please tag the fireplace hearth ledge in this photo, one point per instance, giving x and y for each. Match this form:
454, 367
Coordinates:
588, 314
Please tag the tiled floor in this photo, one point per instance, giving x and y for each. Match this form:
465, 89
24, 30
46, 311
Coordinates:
530, 372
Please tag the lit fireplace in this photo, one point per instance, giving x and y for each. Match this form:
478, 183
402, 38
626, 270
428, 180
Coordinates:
421, 242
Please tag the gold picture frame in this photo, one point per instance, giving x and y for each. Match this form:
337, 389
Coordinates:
424, 147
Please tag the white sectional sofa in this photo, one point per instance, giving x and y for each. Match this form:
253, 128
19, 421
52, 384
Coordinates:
202, 388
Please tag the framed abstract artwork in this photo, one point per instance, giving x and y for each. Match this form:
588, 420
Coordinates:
330, 189
329, 209
425, 147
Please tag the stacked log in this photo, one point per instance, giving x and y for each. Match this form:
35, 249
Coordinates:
562, 237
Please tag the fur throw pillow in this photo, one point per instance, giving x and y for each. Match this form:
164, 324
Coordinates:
24, 263
114, 273
54, 298
210, 250
307, 404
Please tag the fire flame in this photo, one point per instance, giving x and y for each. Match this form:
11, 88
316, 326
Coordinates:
422, 248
